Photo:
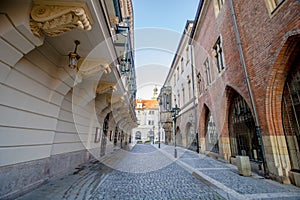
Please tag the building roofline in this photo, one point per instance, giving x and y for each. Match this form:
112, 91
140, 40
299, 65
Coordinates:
188, 22
196, 20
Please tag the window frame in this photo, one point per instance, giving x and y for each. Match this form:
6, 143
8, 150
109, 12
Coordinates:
218, 54
274, 5
218, 5
199, 83
207, 71
182, 65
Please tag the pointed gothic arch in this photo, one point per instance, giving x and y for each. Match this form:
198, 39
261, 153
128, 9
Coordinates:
241, 125
282, 111
209, 131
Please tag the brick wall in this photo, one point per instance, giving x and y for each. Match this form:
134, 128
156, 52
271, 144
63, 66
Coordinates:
267, 41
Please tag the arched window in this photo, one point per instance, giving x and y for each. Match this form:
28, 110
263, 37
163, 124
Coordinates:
211, 138
138, 135
243, 140
291, 114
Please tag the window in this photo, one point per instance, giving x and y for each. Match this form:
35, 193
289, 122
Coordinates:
273, 4
243, 139
207, 72
166, 102
199, 83
189, 87
178, 99
139, 105
174, 79
218, 55
183, 95
291, 113
177, 72
182, 65
187, 55
212, 138
174, 100
150, 122
138, 135
218, 4
151, 112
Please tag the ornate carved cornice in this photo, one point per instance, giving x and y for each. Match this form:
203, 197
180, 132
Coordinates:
53, 20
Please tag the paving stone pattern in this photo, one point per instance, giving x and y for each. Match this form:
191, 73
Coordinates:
190, 176
142, 148
171, 182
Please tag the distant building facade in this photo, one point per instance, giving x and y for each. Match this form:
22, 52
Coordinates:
179, 89
147, 113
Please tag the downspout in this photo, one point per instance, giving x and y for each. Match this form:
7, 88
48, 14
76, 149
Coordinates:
194, 96
257, 125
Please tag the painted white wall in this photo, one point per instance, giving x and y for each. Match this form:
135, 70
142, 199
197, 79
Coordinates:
180, 73
143, 117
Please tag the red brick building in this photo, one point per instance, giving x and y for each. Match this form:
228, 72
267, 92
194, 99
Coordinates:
246, 58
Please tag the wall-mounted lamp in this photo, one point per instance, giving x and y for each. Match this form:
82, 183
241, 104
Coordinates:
74, 57
125, 65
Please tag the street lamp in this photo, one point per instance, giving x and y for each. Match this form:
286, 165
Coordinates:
159, 136
153, 134
175, 112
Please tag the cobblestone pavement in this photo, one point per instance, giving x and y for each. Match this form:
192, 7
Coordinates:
190, 176
226, 178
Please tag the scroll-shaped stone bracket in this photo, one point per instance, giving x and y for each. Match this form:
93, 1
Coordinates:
53, 19
106, 87
91, 68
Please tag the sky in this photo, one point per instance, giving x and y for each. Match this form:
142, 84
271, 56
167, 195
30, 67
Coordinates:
159, 25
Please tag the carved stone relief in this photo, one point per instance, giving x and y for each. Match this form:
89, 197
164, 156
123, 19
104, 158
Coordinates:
54, 20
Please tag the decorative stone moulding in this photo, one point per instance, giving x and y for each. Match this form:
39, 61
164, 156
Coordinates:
54, 20
90, 67
106, 87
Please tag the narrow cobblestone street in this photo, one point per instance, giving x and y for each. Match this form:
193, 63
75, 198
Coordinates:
191, 176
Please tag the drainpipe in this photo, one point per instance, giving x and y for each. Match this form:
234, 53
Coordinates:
257, 125
194, 97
